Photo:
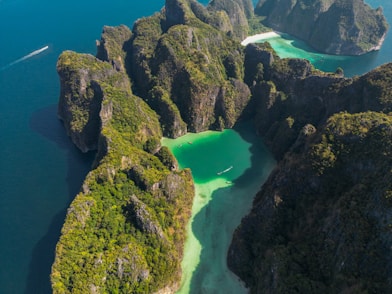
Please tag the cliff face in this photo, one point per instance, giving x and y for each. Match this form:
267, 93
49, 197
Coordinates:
81, 99
287, 94
238, 11
114, 43
342, 27
320, 223
187, 70
125, 230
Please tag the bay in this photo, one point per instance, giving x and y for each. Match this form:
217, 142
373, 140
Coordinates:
289, 46
228, 169
40, 170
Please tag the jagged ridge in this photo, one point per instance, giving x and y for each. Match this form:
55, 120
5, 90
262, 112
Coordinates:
125, 231
344, 27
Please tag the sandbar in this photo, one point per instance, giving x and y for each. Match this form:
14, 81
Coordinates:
259, 37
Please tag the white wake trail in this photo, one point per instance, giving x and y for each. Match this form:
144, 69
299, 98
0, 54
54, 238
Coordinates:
36, 52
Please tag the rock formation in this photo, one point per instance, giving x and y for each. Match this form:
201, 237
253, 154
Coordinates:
125, 230
343, 27
321, 223
187, 70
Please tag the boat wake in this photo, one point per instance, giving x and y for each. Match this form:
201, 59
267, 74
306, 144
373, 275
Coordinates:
224, 171
36, 52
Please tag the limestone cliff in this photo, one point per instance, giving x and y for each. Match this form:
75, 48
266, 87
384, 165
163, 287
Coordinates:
187, 70
238, 11
287, 94
81, 99
320, 222
113, 45
125, 231
345, 27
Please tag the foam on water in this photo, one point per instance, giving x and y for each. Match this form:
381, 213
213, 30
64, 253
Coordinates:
34, 53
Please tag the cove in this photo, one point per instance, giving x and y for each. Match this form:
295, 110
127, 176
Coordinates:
287, 46
228, 169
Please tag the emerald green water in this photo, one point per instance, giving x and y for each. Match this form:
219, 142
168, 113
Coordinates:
221, 200
287, 46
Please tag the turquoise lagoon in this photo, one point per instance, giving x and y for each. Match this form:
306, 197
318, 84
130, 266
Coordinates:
228, 168
289, 46
41, 171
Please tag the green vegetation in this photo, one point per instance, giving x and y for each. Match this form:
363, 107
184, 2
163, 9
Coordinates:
184, 68
113, 45
377, 82
124, 233
256, 25
324, 225
328, 226
345, 27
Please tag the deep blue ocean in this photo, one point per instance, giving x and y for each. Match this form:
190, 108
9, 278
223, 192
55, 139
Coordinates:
40, 170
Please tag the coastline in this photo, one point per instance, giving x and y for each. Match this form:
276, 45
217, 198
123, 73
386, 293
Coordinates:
259, 37
216, 210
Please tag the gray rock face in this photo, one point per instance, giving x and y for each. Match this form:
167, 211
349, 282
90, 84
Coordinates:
343, 27
326, 205
187, 70
113, 46
238, 12
80, 103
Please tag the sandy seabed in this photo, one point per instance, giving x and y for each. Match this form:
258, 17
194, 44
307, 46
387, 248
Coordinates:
228, 172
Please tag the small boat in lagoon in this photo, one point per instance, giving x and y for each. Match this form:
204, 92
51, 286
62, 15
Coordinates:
224, 171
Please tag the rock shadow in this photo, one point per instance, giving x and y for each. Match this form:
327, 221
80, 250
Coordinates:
214, 225
262, 160
46, 123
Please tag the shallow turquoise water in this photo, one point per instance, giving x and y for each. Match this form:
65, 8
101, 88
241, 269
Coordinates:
229, 168
288, 46
40, 170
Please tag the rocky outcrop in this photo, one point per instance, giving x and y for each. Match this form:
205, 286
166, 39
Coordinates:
320, 223
81, 98
125, 230
335, 27
238, 11
113, 45
333, 136
188, 71
287, 94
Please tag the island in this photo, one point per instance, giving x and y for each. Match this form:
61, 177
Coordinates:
321, 223
341, 27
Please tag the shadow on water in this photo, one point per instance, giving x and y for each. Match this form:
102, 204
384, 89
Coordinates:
214, 225
261, 158
352, 65
46, 123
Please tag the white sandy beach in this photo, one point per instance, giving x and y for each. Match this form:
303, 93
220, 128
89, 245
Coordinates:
258, 37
